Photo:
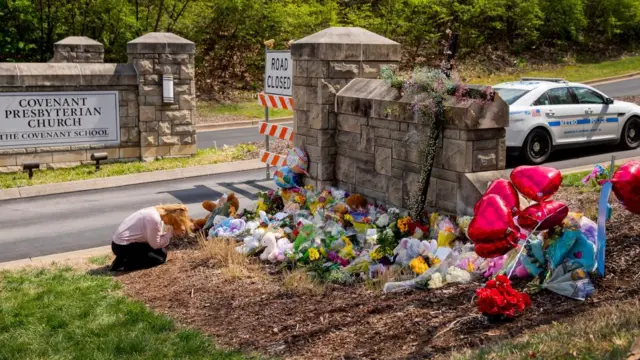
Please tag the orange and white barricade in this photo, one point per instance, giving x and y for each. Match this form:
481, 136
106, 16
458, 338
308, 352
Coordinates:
275, 101
275, 130
272, 159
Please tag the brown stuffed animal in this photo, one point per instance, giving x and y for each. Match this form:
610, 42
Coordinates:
356, 202
226, 206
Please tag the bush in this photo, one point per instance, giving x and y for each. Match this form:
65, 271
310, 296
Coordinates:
230, 33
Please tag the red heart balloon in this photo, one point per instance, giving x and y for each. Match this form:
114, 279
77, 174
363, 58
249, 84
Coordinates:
537, 183
493, 230
626, 185
506, 191
547, 213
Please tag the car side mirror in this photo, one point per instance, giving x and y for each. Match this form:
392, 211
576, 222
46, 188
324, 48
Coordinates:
608, 101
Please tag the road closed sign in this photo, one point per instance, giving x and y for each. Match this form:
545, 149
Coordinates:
278, 73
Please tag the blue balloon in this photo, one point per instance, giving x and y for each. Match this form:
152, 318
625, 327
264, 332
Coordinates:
285, 178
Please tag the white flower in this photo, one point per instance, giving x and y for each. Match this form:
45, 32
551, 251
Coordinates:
436, 281
457, 275
383, 220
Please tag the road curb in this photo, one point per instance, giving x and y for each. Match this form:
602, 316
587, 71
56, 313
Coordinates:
55, 258
612, 78
125, 180
240, 124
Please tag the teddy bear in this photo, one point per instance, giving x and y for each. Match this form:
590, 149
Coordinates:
226, 206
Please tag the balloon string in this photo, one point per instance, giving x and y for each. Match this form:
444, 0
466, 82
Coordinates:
515, 262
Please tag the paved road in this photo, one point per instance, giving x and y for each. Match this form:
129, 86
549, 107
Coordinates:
629, 87
207, 139
68, 222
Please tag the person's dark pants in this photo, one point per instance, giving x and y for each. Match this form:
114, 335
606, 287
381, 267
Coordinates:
136, 256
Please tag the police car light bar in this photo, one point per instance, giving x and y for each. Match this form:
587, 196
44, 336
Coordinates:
543, 79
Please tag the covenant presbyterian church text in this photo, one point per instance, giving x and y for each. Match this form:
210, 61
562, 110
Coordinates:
57, 117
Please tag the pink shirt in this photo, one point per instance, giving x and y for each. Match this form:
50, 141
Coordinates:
143, 226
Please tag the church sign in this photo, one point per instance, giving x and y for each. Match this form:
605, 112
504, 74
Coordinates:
59, 118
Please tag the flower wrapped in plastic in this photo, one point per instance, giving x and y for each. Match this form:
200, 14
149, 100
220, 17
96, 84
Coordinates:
410, 248
457, 275
568, 280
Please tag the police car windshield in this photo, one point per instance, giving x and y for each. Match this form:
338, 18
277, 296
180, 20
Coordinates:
511, 95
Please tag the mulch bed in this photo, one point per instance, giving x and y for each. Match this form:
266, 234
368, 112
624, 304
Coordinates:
357, 322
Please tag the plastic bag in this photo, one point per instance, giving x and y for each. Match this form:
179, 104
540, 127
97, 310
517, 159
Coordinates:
569, 281
559, 247
306, 235
409, 248
420, 282
583, 254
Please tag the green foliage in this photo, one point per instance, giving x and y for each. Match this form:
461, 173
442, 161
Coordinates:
60, 314
230, 33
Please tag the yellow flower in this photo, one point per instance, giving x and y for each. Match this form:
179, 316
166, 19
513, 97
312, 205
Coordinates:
435, 261
376, 254
418, 265
348, 218
309, 187
299, 199
347, 251
323, 252
262, 206
313, 254
470, 267
403, 224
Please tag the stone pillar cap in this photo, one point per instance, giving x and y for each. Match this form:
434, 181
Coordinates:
346, 43
78, 40
160, 43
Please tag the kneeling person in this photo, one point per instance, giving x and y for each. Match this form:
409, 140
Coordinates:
140, 241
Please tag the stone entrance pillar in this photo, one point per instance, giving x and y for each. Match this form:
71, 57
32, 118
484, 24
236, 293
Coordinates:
78, 49
165, 129
323, 63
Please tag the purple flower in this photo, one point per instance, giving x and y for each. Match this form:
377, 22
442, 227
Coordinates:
334, 257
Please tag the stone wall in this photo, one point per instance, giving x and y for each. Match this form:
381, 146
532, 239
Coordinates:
78, 49
149, 129
362, 136
378, 140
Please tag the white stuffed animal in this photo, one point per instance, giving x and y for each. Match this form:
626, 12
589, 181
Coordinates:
280, 252
268, 241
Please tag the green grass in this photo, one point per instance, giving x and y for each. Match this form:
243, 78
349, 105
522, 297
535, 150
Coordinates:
61, 314
99, 260
202, 157
577, 73
575, 179
604, 333
246, 110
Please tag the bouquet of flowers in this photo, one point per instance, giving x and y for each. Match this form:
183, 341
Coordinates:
499, 300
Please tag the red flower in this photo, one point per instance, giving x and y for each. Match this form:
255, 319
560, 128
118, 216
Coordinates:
503, 279
499, 298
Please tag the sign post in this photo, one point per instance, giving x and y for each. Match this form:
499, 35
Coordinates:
278, 81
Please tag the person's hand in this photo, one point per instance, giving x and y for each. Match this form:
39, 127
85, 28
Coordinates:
179, 231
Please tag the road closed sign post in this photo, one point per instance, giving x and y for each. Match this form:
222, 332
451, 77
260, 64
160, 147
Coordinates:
278, 74
278, 87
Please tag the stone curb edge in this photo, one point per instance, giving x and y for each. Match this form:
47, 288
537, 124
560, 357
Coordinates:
125, 180
611, 78
55, 258
240, 124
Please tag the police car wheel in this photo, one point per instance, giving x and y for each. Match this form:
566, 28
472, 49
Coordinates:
537, 147
631, 134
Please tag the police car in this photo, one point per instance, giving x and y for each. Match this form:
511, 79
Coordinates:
549, 114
